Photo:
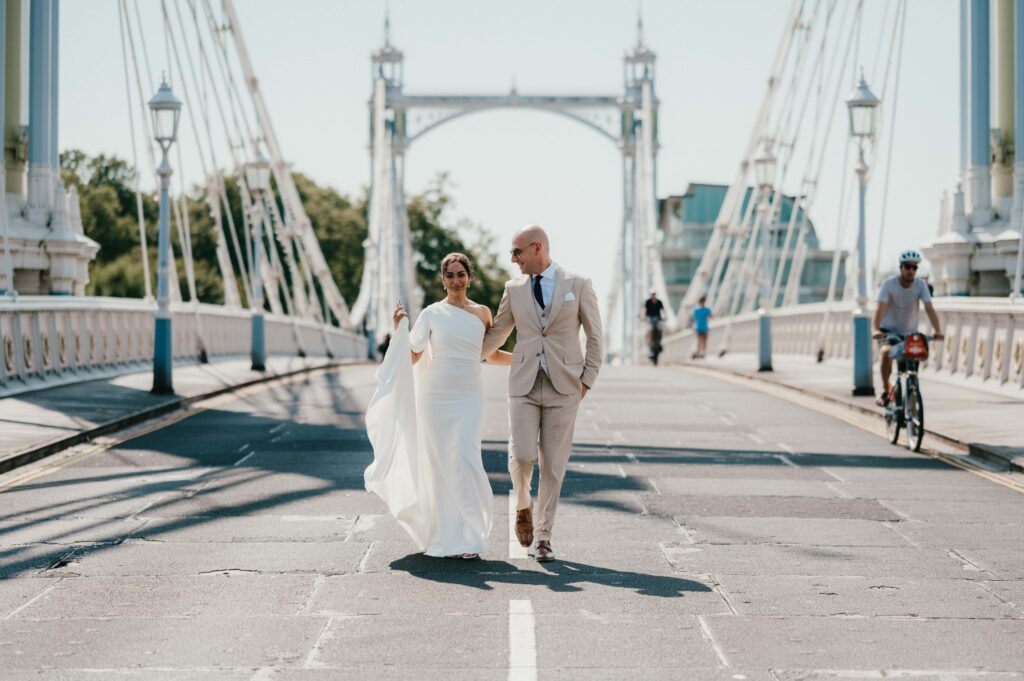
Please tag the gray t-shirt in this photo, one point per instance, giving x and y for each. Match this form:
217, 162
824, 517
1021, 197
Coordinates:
901, 313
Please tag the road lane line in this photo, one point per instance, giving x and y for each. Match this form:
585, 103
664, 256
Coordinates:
755, 438
366, 558
514, 549
654, 485
32, 600
522, 642
840, 492
893, 527
726, 420
786, 460
789, 450
622, 472
244, 458
632, 457
710, 638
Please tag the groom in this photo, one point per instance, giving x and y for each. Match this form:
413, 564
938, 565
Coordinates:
548, 378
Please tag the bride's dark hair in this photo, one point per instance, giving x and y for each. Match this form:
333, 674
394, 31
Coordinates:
459, 258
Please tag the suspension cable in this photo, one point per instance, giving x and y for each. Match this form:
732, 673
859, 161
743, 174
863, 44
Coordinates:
147, 278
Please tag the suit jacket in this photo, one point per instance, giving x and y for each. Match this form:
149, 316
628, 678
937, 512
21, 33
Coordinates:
573, 304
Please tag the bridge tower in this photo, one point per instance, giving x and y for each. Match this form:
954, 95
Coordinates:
397, 119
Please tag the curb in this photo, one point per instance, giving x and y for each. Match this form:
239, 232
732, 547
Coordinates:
37, 452
992, 454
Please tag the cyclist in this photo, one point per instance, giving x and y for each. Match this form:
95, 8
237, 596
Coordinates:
654, 311
896, 313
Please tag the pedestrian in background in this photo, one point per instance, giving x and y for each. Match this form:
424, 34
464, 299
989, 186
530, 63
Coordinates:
701, 315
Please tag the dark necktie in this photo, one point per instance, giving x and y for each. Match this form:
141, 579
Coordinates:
537, 294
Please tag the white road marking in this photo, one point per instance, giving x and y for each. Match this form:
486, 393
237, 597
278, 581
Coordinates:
522, 642
654, 485
710, 638
755, 438
278, 427
514, 549
242, 448
840, 492
366, 558
622, 472
32, 600
244, 458
632, 457
783, 445
726, 420
786, 460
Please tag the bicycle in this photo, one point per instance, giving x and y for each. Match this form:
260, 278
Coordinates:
654, 339
906, 413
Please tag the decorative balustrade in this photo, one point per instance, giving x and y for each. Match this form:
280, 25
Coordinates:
48, 340
984, 337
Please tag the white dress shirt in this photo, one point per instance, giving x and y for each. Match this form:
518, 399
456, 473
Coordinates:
547, 284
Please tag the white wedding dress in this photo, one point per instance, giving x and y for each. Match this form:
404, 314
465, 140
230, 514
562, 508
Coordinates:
424, 423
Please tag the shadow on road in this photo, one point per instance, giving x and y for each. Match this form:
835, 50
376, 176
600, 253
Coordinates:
559, 576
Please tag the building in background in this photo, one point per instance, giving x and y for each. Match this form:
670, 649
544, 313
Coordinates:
685, 223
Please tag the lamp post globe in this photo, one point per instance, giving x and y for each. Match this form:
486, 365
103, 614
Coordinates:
862, 106
764, 173
257, 178
165, 110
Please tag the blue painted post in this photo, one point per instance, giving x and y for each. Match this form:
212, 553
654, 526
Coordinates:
259, 352
54, 90
979, 172
39, 177
862, 380
8, 270
162, 350
764, 336
965, 92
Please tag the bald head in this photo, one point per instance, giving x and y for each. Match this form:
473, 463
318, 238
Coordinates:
531, 250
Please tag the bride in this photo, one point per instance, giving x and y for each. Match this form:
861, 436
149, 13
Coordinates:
425, 423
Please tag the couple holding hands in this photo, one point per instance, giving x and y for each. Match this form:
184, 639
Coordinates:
425, 419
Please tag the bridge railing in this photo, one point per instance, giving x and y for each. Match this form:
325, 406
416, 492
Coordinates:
984, 337
48, 340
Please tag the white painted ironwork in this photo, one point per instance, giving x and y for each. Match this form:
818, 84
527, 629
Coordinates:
47, 340
984, 343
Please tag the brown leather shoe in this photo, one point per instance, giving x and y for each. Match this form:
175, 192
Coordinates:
543, 552
524, 527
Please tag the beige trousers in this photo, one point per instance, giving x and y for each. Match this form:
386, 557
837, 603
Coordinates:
541, 425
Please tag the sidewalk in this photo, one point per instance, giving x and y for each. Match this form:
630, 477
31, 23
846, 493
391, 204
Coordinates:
36, 424
989, 424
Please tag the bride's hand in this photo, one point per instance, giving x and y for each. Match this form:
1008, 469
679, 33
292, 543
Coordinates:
399, 314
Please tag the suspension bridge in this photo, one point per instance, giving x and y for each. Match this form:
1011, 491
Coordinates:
180, 482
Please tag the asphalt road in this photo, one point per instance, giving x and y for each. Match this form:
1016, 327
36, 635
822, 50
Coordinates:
706, 531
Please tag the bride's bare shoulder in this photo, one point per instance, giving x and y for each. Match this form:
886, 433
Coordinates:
482, 312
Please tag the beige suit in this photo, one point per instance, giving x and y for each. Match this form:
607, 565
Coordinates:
543, 405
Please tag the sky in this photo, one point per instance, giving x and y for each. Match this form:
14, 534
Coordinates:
511, 168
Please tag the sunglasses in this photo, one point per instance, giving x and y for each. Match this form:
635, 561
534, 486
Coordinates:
908, 266
516, 252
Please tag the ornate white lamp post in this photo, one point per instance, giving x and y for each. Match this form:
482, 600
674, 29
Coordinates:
257, 177
166, 110
863, 108
764, 173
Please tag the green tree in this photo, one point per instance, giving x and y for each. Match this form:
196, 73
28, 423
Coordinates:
106, 186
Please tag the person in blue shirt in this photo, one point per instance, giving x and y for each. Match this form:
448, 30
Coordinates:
701, 315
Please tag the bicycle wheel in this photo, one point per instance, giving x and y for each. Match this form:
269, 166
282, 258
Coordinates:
914, 415
894, 414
